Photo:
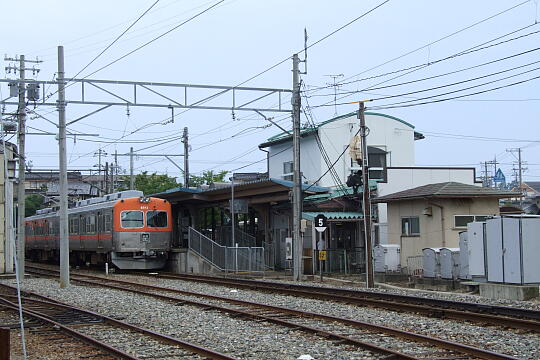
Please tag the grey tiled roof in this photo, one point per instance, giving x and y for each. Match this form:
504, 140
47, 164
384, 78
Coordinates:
446, 190
535, 185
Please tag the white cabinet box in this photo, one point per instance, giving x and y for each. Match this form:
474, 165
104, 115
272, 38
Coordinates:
464, 272
449, 259
431, 262
512, 249
476, 254
386, 258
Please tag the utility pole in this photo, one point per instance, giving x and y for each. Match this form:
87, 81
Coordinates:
64, 239
99, 153
520, 170
297, 190
21, 115
115, 173
106, 178
186, 157
131, 178
367, 200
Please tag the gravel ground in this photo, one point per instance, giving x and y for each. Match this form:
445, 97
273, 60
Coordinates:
533, 304
238, 338
512, 342
45, 342
274, 342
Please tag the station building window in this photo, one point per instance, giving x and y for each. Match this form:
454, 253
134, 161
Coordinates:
410, 226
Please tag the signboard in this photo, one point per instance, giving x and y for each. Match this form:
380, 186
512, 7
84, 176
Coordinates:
499, 176
322, 255
240, 206
288, 248
320, 223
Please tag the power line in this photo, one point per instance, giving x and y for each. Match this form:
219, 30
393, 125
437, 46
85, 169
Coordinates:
391, 106
441, 39
463, 52
436, 76
117, 38
452, 84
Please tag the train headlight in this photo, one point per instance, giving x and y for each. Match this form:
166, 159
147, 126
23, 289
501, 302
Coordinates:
144, 200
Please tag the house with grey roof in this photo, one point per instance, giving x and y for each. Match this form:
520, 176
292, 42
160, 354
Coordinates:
433, 215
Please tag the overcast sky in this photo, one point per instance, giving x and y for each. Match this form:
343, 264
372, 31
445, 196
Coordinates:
239, 38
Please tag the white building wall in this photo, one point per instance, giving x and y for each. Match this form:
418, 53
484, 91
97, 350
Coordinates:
309, 159
385, 132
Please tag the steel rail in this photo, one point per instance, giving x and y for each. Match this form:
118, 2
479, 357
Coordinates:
162, 337
505, 316
72, 332
445, 344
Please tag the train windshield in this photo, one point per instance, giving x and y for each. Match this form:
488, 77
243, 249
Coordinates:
156, 219
132, 219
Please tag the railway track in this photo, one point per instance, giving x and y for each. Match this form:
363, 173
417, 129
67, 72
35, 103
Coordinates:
398, 343
445, 309
132, 342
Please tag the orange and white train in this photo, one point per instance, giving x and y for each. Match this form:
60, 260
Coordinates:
125, 228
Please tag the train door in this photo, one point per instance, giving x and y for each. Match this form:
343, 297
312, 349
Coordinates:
100, 230
82, 230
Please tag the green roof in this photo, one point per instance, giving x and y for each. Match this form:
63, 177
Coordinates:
285, 136
333, 215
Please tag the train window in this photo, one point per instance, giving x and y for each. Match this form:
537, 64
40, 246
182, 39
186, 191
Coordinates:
108, 223
91, 224
83, 225
75, 225
156, 219
132, 219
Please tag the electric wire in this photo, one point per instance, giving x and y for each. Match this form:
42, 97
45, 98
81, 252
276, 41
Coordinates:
392, 106
117, 38
452, 84
441, 39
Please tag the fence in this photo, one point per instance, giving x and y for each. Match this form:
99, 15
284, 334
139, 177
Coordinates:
237, 259
344, 261
415, 265
243, 239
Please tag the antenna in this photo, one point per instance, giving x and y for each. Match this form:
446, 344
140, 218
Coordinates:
335, 85
305, 52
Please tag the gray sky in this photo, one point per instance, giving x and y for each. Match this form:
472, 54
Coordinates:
240, 38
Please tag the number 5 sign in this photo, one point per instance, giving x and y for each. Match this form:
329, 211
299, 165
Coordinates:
320, 223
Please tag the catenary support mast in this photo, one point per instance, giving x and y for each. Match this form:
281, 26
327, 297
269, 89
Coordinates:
297, 190
64, 239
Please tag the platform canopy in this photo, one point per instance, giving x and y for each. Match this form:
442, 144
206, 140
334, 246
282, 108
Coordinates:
257, 192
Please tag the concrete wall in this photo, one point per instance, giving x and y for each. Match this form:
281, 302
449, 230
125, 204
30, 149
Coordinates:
431, 227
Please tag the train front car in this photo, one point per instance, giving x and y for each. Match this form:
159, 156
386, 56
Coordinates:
142, 233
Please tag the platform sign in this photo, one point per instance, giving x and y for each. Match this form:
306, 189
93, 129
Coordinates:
288, 249
320, 223
322, 255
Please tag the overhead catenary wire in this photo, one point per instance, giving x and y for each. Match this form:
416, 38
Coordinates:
441, 39
451, 84
392, 106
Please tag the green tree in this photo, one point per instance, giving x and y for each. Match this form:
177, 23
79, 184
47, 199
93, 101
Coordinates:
150, 183
208, 178
32, 203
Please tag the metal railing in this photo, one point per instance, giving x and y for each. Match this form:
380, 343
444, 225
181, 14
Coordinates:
223, 236
226, 258
344, 261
